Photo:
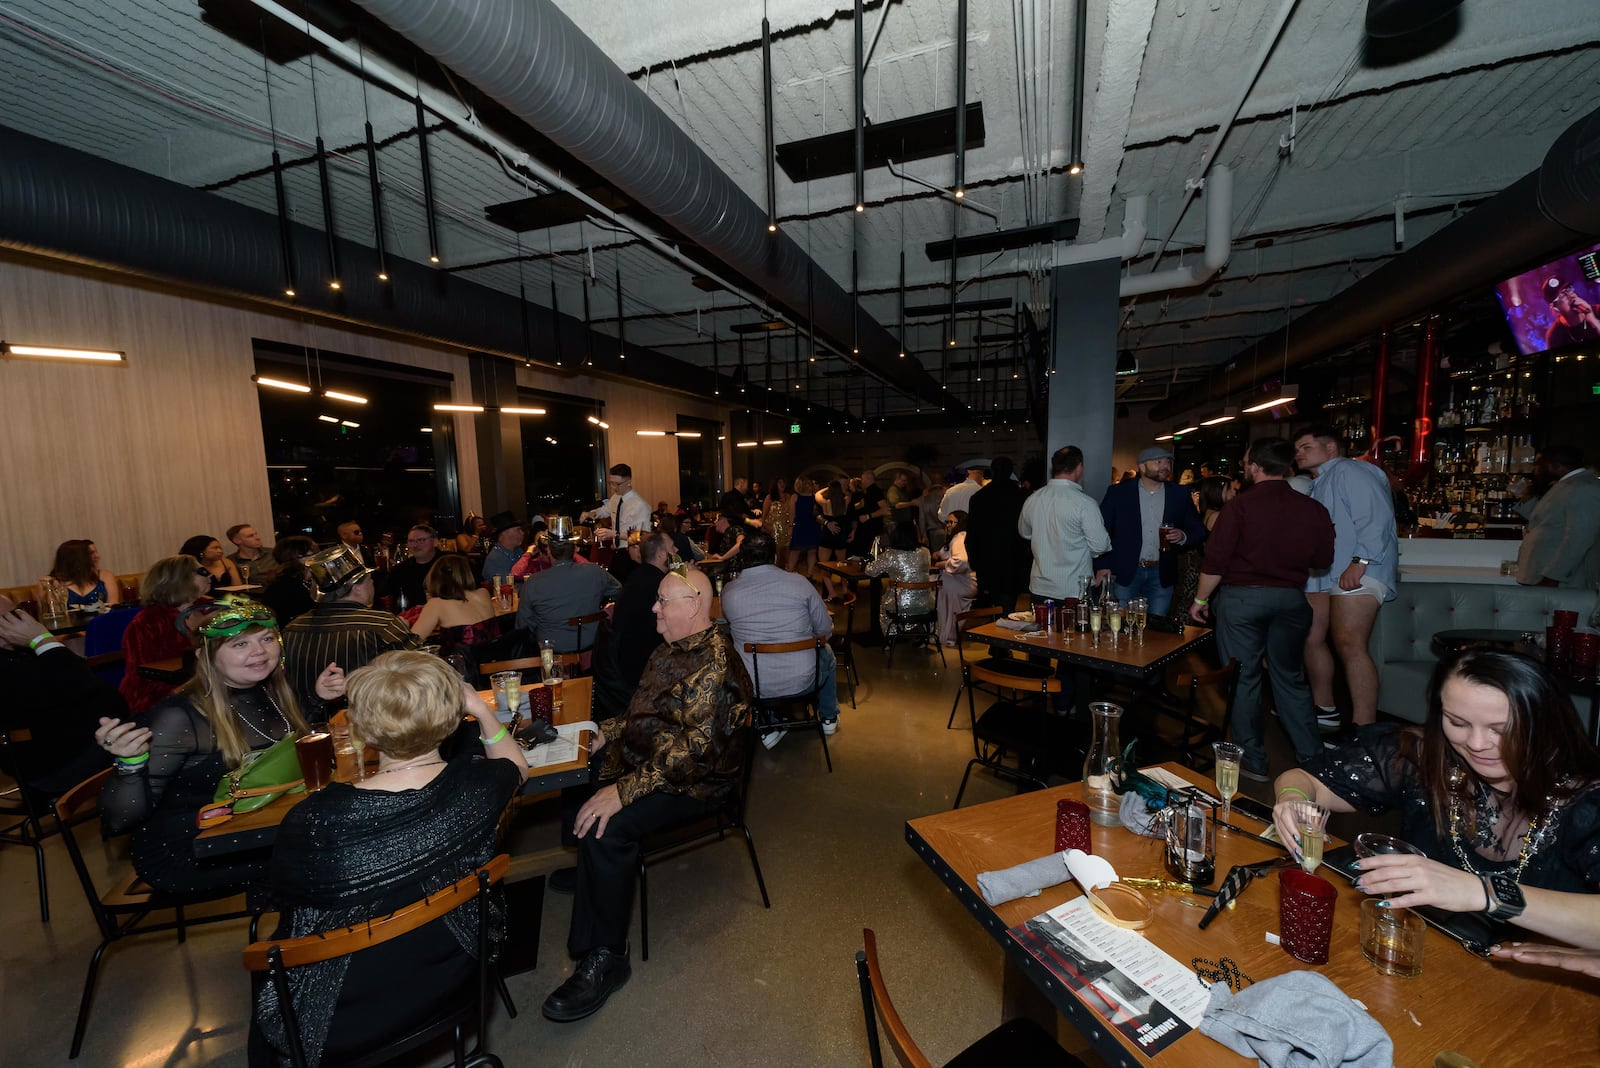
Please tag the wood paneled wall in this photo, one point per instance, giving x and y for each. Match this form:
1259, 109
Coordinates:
139, 457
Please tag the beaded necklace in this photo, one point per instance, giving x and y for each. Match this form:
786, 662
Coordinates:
234, 708
1531, 838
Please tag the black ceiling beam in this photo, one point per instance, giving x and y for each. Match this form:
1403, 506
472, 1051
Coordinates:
922, 136
982, 244
554, 209
914, 311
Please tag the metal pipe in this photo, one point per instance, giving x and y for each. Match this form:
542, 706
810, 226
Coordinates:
377, 206
965, 201
427, 184
861, 114
622, 324
960, 185
327, 215
285, 237
1219, 244
1380, 383
767, 122
1081, 46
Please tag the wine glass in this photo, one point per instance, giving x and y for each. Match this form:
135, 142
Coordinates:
1311, 823
1227, 773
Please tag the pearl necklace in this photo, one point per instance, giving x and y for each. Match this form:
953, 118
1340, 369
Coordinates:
246, 720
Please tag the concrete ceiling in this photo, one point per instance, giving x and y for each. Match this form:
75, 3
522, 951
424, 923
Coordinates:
1331, 138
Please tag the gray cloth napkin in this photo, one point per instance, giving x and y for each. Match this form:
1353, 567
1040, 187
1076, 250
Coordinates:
1016, 624
1025, 880
1297, 1020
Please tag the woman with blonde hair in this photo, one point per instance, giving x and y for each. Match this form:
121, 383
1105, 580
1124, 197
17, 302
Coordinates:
806, 534
167, 769
416, 825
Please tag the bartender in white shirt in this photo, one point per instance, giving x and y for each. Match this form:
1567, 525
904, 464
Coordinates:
626, 509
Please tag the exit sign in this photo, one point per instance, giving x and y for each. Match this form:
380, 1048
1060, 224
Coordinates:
794, 428
1595, 389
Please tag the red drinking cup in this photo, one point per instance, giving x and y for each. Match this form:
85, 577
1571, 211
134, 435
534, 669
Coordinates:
1072, 826
1305, 915
1585, 654
1044, 614
1557, 649
540, 703
1564, 620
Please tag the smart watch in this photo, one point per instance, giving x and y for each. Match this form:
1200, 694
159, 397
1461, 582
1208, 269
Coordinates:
1504, 896
1362, 560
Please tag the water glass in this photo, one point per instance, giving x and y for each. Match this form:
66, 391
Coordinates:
1392, 939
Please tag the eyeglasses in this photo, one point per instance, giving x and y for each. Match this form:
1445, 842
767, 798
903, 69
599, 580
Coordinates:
421, 540
663, 601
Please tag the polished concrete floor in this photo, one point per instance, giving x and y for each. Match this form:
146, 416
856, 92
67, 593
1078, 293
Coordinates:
728, 982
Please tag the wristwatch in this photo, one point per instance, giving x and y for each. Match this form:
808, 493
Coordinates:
1503, 895
1362, 560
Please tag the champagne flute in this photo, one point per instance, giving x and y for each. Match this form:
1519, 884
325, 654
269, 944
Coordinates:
1095, 616
1114, 610
1141, 616
1227, 773
1311, 823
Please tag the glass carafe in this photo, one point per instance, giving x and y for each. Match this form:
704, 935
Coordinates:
1102, 768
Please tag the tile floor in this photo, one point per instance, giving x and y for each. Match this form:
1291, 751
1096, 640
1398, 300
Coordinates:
728, 983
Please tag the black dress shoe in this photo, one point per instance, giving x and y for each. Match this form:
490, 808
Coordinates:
563, 880
597, 976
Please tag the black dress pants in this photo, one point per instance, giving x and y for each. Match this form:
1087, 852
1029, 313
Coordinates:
607, 867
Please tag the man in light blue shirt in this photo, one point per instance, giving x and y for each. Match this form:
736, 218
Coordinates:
1345, 598
1065, 527
767, 605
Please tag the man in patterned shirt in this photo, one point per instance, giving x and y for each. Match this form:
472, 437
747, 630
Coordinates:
342, 629
673, 757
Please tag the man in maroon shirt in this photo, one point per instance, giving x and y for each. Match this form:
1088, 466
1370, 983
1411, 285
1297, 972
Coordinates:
1265, 545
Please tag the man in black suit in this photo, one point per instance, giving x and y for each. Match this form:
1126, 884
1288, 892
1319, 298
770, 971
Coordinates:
1000, 557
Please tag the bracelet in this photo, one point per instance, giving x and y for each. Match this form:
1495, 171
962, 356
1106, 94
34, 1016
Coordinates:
504, 730
1104, 911
1294, 790
1201, 601
132, 762
40, 639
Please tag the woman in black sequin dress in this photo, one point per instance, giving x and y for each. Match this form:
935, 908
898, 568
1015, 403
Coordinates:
1500, 780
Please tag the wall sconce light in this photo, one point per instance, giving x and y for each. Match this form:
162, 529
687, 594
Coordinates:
55, 352
521, 411
475, 408
333, 394
278, 383
601, 423
1285, 395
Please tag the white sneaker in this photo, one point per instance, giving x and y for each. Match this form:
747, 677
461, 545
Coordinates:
772, 738
830, 726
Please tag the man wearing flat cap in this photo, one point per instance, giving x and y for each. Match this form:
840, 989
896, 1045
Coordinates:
342, 629
1148, 518
1575, 323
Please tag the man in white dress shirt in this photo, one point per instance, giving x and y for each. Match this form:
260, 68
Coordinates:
626, 509
1065, 527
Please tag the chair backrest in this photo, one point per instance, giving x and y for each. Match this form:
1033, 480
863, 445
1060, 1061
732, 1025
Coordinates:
973, 617
277, 957
1225, 680
847, 605
104, 633
875, 1002
759, 649
568, 662
577, 623
971, 673
69, 805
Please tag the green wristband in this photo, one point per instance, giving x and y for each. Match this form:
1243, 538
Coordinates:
40, 639
1294, 790
1201, 601
504, 730
133, 762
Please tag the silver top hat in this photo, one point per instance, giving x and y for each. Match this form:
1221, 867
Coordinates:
559, 528
331, 569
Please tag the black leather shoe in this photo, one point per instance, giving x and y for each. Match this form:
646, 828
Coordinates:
597, 976
563, 880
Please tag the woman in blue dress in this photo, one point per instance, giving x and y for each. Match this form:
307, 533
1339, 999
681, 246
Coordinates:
805, 534
77, 567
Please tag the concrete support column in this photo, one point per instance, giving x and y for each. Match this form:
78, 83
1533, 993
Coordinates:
1083, 359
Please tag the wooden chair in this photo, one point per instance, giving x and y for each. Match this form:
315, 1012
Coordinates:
23, 810
1021, 728
1015, 1042
904, 622
469, 1008
1023, 669
120, 912
779, 713
671, 841
843, 644
567, 661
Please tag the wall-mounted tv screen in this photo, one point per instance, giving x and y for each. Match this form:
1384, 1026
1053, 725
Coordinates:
1554, 307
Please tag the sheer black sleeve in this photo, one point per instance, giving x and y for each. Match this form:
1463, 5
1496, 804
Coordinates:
129, 799
1371, 773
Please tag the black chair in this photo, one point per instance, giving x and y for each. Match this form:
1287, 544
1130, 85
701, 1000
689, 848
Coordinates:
1196, 730
843, 645
121, 911
1026, 729
795, 711
907, 622
577, 623
1029, 670
673, 840
1015, 1042
23, 810
466, 1009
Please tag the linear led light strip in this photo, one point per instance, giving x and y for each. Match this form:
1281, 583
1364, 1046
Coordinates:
52, 352
478, 409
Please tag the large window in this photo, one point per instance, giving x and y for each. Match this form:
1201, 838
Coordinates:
563, 454
388, 463
699, 461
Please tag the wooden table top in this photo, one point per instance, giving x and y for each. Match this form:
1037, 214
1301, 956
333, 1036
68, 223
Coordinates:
1126, 657
258, 829
845, 569
1494, 1012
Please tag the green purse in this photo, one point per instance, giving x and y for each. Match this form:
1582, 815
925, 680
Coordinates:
263, 777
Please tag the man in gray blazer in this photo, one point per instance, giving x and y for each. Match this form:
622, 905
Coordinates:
1561, 546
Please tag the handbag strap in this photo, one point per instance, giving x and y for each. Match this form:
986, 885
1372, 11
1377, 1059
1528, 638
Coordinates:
256, 791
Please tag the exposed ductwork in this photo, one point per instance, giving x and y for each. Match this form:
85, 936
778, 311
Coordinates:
1219, 244
58, 202
529, 57
1537, 218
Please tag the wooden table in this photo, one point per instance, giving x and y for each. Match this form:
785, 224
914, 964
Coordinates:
1496, 1013
174, 669
1142, 663
854, 574
259, 829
